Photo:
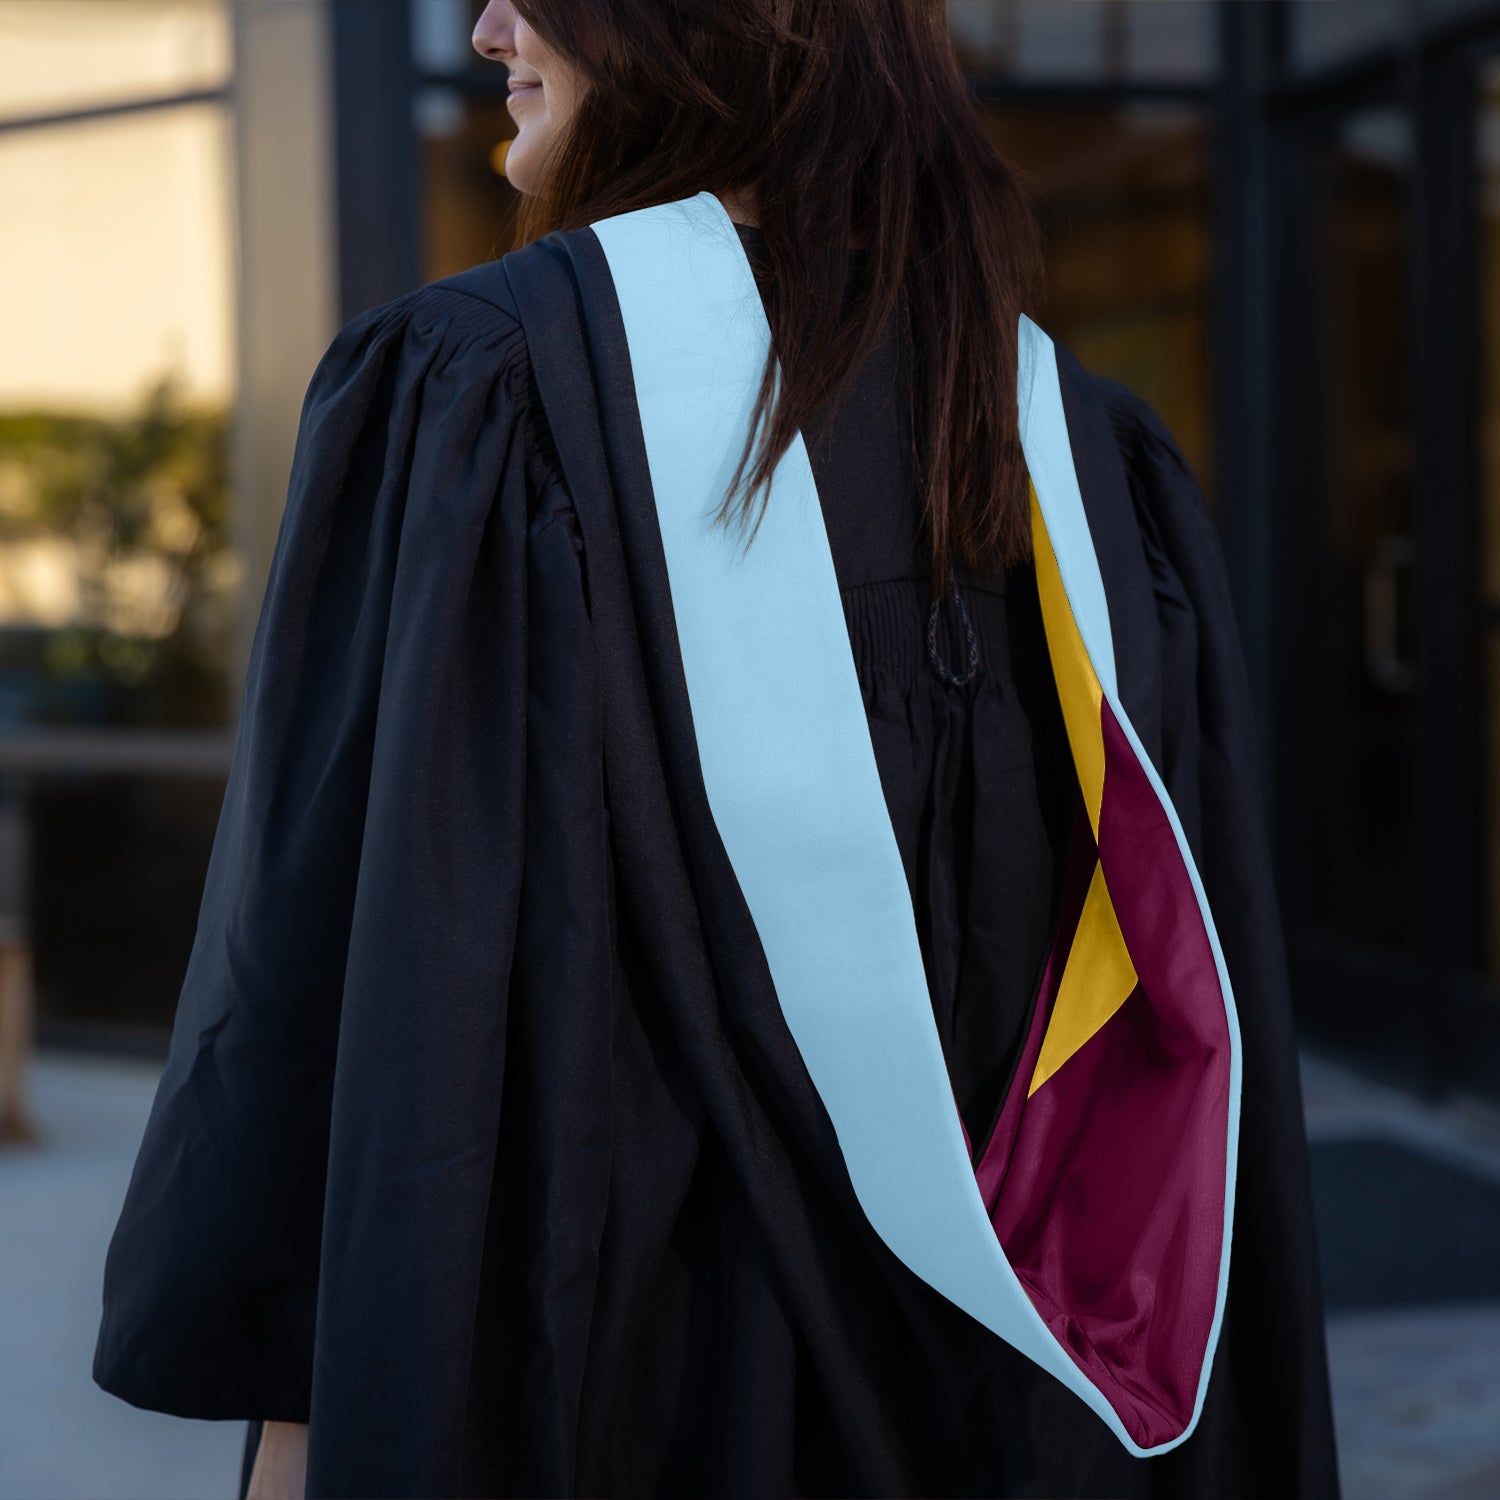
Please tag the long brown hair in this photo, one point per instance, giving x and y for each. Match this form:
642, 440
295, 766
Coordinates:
836, 118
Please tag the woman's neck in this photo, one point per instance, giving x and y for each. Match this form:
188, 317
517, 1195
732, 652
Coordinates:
739, 209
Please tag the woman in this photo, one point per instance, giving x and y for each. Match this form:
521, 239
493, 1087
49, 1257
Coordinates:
668, 997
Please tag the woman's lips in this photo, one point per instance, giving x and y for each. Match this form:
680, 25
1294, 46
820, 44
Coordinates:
517, 90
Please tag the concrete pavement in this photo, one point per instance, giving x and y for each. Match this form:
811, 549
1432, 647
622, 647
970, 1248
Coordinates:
1416, 1387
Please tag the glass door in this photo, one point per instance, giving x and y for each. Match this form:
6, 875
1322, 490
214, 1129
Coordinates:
1387, 646
1350, 685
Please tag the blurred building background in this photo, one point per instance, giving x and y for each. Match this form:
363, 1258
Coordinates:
1278, 220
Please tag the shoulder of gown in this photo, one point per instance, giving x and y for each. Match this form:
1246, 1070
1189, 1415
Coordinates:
457, 337
1203, 685
1169, 500
425, 579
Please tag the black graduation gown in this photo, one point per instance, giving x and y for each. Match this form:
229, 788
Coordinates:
483, 1144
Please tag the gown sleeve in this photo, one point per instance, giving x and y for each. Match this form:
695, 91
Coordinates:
344, 994
1271, 1373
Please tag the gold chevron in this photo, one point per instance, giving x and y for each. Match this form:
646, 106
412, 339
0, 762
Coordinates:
1096, 982
1077, 683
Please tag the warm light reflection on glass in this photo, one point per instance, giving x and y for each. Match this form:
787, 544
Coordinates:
59, 55
115, 259
470, 204
118, 580
1123, 195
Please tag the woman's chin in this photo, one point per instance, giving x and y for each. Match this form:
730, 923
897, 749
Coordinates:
518, 166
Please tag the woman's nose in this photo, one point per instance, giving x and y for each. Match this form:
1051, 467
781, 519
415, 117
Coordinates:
495, 30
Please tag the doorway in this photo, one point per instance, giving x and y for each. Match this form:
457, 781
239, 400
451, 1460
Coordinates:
1387, 580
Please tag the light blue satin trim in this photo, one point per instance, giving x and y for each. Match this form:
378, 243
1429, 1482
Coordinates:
1049, 461
789, 770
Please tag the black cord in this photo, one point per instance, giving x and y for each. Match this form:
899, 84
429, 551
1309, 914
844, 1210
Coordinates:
938, 665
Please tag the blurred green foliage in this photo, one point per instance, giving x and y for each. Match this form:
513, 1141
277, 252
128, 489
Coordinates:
118, 580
